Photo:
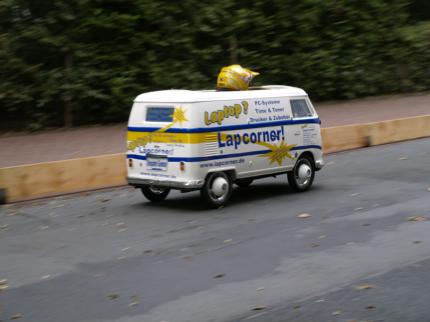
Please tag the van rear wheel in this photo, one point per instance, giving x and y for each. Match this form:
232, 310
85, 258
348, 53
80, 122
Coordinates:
303, 174
217, 189
155, 193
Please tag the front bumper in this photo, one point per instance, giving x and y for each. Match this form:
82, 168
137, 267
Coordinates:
182, 185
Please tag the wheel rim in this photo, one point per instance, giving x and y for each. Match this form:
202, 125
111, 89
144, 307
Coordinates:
303, 175
157, 190
219, 188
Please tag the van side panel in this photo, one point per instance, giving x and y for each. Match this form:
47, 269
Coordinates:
252, 137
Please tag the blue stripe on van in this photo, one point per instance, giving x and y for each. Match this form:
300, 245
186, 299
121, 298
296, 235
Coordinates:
221, 156
227, 127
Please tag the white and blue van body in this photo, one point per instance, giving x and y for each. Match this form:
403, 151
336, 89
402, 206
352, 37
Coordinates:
209, 140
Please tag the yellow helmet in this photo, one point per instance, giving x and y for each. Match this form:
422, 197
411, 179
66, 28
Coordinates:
235, 77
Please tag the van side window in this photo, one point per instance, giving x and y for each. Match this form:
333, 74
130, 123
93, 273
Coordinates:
159, 114
300, 108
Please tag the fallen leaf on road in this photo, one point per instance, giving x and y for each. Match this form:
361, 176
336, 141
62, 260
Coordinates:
147, 251
370, 307
188, 257
3, 285
417, 218
228, 241
219, 275
364, 287
112, 296
303, 216
336, 313
315, 245
258, 308
16, 317
296, 307
135, 301
105, 200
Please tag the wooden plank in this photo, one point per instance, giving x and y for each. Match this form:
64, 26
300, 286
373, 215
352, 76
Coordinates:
59, 177
347, 137
400, 129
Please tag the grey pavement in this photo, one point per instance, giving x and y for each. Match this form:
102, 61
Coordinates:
112, 256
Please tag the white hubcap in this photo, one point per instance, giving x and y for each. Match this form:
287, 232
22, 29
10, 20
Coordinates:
219, 186
156, 190
305, 171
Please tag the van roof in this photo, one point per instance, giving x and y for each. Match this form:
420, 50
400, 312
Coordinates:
188, 96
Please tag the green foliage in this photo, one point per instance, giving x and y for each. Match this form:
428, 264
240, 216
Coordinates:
84, 61
416, 42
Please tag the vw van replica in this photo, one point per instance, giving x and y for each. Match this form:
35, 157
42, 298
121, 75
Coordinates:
209, 140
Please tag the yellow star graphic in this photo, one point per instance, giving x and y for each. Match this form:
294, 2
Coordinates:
179, 115
278, 152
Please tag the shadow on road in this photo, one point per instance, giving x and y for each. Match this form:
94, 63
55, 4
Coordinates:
254, 193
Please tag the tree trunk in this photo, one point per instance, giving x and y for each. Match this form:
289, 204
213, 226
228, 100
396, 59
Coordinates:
67, 100
233, 50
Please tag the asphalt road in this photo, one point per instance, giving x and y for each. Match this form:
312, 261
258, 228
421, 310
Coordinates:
111, 256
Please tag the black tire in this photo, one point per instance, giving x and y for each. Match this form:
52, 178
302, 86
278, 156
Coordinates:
155, 193
301, 184
243, 183
224, 189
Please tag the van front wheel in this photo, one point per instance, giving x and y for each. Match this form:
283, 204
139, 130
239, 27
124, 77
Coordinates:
302, 176
155, 193
217, 189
